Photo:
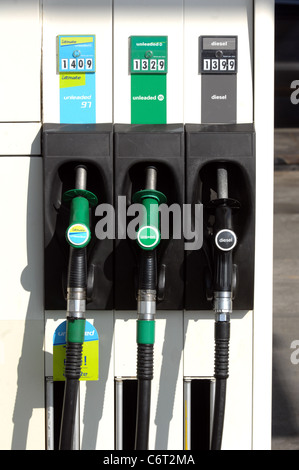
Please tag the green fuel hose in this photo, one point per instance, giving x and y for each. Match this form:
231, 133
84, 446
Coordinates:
78, 236
148, 238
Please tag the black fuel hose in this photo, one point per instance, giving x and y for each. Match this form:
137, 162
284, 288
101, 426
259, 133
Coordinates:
145, 354
77, 279
147, 270
222, 335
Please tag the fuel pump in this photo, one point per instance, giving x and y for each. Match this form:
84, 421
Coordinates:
148, 238
145, 154
144, 136
224, 240
220, 160
78, 237
184, 85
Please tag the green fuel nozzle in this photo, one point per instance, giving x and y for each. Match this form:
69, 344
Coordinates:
148, 234
78, 236
148, 238
78, 231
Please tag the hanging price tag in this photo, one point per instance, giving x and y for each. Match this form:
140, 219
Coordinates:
148, 54
90, 353
76, 53
76, 68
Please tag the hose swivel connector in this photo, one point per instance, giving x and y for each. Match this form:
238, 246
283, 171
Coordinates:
76, 302
146, 304
223, 305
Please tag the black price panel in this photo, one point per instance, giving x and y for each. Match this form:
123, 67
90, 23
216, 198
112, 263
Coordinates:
218, 55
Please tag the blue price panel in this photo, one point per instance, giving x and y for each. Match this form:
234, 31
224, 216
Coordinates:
76, 53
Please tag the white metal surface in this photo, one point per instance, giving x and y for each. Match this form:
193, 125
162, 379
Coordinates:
28, 140
20, 80
21, 314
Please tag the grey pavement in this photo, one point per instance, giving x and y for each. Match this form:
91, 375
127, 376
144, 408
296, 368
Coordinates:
285, 399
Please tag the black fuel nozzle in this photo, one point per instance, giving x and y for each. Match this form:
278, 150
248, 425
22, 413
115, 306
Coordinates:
225, 241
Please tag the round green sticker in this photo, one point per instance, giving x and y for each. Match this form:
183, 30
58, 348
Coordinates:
148, 237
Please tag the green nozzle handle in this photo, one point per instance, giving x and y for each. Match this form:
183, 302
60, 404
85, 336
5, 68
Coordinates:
148, 235
78, 232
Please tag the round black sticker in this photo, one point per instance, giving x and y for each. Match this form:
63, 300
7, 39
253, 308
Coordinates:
225, 240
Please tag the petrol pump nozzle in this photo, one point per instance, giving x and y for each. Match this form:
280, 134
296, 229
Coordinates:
78, 231
78, 236
148, 235
225, 241
148, 238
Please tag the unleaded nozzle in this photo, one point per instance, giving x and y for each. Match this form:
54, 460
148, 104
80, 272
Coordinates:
148, 234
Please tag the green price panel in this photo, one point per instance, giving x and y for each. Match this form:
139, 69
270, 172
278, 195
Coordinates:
148, 54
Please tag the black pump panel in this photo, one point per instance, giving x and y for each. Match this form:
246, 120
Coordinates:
65, 146
206, 147
136, 147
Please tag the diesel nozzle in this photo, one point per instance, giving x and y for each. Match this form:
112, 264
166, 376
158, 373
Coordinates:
223, 282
